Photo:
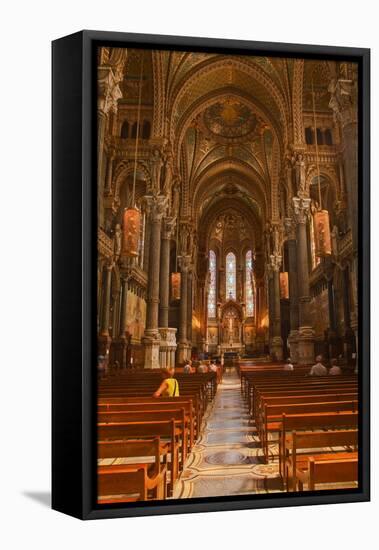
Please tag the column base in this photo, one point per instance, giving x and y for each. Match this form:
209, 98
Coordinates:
183, 352
276, 348
151, 343
167, 347
119, 348
103, 344
306, 346
293, 340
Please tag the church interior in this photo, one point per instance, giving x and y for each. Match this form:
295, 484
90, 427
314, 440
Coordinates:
228, 262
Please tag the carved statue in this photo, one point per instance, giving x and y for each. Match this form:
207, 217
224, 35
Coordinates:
334, 236
117, 240
300, 173
175, 199
168, 173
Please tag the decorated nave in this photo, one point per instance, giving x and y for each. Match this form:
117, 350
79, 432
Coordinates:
227, 272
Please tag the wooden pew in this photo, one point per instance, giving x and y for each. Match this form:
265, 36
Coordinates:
329, 471
149, 416
314, 421
165, 429
127, 483
138, 449
153, 405
272, 415
294, 462
151, 402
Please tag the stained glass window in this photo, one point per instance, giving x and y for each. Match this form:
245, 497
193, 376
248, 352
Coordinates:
249, 284
230, 276
212, 284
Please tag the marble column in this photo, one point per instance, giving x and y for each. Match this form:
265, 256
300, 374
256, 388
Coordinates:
293, 293
306, 333
120, 344
164, 281
183, 345
109, 174
344, 102
109, 93
104, 338
189, 306
167, 335
276, 341
151, 337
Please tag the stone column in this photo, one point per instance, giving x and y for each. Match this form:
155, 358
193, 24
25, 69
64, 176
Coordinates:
109, 174
164, 282
151, 336
104, 338
183, 342
167, 335
276, 341
293, 293
306, 333
344, 102
109, 93
270, 295
120, 345
189, 306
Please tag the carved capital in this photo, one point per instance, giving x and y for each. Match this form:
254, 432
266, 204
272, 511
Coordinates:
290, 229
184, 263
168, 227
108, 90
301, 209
156, 206
344, 95
275, 262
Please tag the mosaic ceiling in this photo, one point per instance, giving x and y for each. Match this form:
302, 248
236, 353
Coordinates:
230, 118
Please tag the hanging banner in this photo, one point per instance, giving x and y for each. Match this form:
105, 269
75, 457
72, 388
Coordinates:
175, 286
323, 245
131, 232
283, 282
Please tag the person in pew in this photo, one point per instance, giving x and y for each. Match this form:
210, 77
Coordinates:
169, 386
101, 366
334, 370
318, 369
288, 366
202, 368
187, 369
212, 367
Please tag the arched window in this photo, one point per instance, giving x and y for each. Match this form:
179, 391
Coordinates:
249, 284
146, 130
230, 274
309, 139
320, 137
125, 129
134, 130
212, 284
328, 137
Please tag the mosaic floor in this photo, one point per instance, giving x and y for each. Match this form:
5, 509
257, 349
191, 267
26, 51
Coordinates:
227, 459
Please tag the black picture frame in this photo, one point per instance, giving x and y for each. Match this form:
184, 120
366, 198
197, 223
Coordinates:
73, 272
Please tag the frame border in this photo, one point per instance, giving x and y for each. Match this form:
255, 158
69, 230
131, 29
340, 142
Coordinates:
74, 330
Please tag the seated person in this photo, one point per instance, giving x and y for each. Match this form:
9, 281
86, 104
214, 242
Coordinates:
202, 368
169, 386
288, 365
212, 367
187, 369
334, 370
318, 369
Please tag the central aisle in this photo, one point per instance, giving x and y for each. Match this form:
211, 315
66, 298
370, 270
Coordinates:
227, 458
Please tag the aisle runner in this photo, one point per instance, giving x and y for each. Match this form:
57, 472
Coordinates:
227, 459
